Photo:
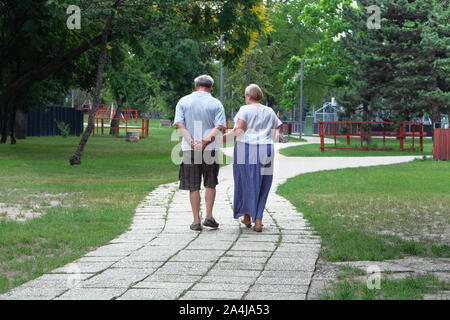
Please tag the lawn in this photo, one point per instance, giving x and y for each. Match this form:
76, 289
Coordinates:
410, 288
92, 203
313, 150
377, 213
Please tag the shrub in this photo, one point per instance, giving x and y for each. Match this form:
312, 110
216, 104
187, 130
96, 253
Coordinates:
64, 128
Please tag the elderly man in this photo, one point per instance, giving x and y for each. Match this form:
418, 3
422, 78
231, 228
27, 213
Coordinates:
200, 118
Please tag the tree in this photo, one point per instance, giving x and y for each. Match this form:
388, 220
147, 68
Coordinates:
34, 47
44, 22
417, 39
76, 158
204, 20
398, 72
285, 36
313, 22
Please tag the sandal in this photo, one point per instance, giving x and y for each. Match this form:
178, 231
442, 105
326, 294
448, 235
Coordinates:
247, 225
258, 228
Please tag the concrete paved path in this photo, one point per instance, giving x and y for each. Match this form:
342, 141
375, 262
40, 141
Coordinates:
160, 258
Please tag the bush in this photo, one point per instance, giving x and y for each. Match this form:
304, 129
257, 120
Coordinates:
64, 128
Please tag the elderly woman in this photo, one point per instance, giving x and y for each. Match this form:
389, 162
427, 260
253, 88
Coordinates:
256, 127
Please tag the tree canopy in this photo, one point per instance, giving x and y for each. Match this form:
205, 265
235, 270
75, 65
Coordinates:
154, 50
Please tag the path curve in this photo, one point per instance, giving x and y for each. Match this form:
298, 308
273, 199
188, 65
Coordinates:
160, 258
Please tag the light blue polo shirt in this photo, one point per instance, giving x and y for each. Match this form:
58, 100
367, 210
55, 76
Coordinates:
200, 112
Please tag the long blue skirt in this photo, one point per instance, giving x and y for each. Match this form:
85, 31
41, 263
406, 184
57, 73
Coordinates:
253, 176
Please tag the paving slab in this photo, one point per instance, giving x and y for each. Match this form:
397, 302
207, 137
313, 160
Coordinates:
228, 280
213, 295
202, 286
261, 296
151, 294
280, 288
168, 278
91, 294
88, 267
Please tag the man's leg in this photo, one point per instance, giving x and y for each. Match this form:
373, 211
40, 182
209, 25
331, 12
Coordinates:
194, 196
190, 179
210, 198
210, 175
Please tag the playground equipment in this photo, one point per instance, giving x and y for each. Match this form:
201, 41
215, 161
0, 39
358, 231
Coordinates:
350, 129
140, 125
128, 120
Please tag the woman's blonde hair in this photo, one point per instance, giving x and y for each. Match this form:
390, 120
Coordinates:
254, 92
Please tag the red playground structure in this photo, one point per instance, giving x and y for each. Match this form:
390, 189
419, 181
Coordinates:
350, 129
127, 121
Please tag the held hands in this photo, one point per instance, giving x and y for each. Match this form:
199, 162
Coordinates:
200, 145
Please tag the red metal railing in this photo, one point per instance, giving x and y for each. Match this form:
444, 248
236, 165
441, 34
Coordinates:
402, 135
230, 125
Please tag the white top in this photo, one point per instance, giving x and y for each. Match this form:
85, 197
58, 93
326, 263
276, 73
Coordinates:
200, 112
260, 120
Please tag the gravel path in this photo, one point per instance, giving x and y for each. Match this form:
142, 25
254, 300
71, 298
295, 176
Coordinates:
160, 258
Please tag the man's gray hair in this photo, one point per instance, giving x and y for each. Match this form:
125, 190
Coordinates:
204, 81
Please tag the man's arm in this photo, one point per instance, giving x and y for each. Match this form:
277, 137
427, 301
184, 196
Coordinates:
219, 128
185, 133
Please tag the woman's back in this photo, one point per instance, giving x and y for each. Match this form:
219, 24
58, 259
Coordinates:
261, 120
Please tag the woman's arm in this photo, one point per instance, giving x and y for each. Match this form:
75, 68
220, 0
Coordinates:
211, 137
275, 135
239, 129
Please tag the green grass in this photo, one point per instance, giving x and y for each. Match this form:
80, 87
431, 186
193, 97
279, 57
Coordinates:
410, 288
98, 198
313, 150
294, 139
349, 272
377, 213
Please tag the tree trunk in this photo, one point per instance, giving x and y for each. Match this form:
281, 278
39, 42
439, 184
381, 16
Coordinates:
76, 158
114, 121
5, 122
366, 128
21, 123
436, 118
12, 123
249, 70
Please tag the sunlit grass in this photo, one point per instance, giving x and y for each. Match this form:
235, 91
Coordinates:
377, 213
98, 198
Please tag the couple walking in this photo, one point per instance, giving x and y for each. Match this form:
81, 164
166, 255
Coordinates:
200, 118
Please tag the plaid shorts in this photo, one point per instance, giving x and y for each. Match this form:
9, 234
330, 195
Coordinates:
196, 165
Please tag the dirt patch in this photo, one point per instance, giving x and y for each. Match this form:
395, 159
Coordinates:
21, 205
11, 212
327, 272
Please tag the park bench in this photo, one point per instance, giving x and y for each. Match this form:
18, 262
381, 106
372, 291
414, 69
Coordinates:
415, 134
166, 123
